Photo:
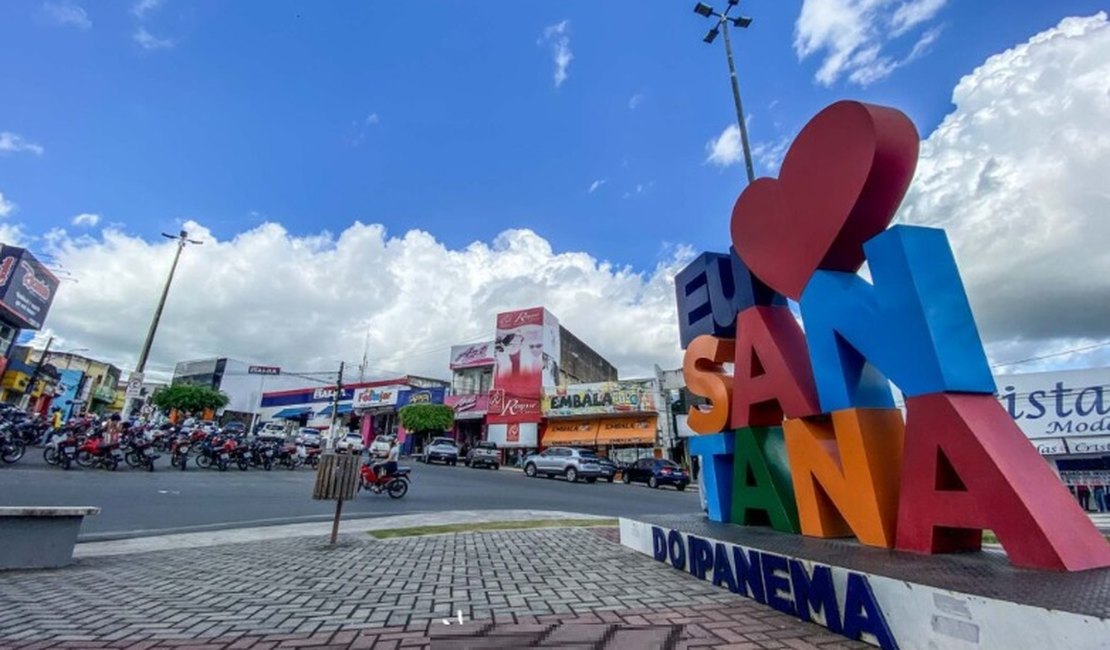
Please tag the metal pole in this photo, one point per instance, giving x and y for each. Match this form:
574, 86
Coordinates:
739, 106
26, 400
334, 416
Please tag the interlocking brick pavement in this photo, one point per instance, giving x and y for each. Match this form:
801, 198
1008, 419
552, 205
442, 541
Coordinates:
366, 593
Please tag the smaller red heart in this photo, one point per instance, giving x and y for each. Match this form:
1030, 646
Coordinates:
841, 183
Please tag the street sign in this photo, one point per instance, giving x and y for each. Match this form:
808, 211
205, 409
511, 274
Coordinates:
263, 370
135, 385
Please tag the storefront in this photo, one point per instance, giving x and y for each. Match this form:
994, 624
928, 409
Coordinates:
1066, 414
470, 417
618, 419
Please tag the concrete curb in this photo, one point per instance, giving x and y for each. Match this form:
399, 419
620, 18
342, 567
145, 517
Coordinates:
322, 529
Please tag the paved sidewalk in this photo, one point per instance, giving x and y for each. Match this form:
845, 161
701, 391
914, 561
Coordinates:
368, 593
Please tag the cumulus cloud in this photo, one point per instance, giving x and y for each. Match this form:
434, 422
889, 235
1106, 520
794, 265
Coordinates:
143, 7
1017, 175
725, 149
6, 206
306, 302
67, 13
86, 219
596, 185
557, 38
635, 101
15, 143
149, 41
854, 36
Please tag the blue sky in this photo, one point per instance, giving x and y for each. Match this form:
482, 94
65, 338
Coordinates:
262, 111
600, 128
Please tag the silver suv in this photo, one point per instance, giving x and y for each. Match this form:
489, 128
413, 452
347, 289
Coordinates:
567, 462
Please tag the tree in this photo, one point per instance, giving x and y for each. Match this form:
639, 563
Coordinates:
186, 397
427, 417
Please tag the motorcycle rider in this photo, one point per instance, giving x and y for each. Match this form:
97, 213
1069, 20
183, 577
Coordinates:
388, 466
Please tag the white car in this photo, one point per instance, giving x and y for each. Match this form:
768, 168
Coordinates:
272, 431
380, 447
308, 437
352, 442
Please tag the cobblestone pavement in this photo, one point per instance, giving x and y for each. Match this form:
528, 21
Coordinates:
385, 594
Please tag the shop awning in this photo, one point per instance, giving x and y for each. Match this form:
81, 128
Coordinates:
294, 412
326, 411
626, 431
570, 433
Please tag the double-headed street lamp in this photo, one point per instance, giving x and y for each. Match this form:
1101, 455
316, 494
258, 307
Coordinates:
723, 20
182, 239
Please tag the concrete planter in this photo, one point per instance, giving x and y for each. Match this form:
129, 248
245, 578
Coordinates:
39, 537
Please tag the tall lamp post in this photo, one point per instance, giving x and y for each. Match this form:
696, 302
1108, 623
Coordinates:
742, 22
182, 239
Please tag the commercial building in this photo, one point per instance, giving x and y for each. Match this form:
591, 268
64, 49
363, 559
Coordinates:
244, 384
499, 386
82, 384
619, 419
27, 289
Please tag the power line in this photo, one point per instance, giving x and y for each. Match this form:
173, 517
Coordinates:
1054, 354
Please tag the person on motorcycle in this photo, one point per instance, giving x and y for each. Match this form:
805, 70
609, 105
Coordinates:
388, 466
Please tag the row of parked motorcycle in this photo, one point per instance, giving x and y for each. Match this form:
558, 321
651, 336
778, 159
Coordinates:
91, 444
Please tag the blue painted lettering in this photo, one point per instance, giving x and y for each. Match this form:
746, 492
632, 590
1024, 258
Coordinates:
749, 578
659, 543
862, 614
678, 557
815, 594
722, 570
701, 556
776, 579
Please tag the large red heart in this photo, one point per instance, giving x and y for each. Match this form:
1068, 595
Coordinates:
840, 185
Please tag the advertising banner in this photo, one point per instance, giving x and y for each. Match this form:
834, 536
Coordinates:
1058, 404
69, 383
514, 434
470, 356
369, 398
605, 398
421, 396
526, 355
26, 288
468, 407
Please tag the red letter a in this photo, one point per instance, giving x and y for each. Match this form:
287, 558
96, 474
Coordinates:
967, 467
773, 375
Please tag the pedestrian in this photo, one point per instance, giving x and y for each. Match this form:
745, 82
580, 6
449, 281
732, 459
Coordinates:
56, 418
113, 429
1099, 493
1084, 494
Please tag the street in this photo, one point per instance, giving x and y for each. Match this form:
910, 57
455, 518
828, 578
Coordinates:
137, 503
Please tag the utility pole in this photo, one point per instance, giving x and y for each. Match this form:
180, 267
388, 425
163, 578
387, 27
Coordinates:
335, 408
182, 239
722, 25
25, 401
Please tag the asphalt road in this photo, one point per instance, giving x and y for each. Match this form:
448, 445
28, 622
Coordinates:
137, 503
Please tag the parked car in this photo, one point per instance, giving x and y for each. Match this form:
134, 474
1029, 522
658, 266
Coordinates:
443, 450
567, 462
272, 431
380, 447
483, 454
235, 428
609, 468
308, 437
208, 426
656, 472
352, 442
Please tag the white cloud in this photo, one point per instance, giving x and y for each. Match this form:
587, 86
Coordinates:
596, 185
306, 302
725, 149
635, 101
14, 143
1017, 174
149, 41
6, 206
143, 7
67, 13
86, 219
557, 38
854, 34
769, 155
371, 119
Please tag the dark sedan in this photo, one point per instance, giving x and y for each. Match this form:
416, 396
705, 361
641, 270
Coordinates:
656, 472
608, 468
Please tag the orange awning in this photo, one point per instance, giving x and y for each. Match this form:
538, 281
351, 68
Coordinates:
566, 433
627, 431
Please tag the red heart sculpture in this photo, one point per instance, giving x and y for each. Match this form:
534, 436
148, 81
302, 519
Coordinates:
841, 182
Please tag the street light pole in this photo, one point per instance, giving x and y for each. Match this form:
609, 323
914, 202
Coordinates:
182, 239
722, 25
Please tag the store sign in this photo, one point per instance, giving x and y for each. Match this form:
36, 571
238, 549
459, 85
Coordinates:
526, 353
263, 370
374, 397
421, 396
1090, 445
606, 398
470, 356
1051, 447
514, 434
1066, 403
505, 409
468, 407
26, 288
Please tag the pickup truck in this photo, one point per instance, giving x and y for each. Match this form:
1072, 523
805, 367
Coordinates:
483, 454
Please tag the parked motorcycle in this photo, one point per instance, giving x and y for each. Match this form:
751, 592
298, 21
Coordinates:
179, 453
213, 455
94, 452
262, 455
395, 484
11, 448
289, 456
61, 448
138, 453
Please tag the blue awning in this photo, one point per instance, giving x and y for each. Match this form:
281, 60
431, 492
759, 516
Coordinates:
295, 412
326, 411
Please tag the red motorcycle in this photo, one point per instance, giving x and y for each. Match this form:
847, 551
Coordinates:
94, 452
395, 484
